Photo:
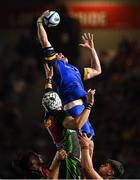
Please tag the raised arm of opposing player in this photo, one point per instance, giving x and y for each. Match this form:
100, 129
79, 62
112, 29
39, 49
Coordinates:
95, 68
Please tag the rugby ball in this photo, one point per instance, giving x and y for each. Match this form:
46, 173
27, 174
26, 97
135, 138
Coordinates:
52, 19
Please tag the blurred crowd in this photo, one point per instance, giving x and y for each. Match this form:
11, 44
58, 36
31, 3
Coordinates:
115, 115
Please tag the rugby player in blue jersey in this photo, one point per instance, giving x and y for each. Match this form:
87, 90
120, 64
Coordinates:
68, 78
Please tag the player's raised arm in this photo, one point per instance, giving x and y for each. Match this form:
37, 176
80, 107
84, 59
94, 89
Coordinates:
95, 68
42, 35
48, 50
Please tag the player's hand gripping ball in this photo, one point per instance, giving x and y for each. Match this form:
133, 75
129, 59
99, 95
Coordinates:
52, 19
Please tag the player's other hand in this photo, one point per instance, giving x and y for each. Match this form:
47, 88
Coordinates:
87, 41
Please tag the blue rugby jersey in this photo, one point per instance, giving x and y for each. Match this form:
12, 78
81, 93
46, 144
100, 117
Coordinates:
68, 80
